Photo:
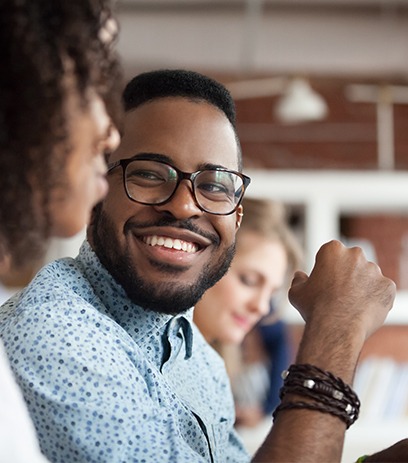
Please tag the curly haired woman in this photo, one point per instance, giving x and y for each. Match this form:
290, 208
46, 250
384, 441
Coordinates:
60, 90
60, 85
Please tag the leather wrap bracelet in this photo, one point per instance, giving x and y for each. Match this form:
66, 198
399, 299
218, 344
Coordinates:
329, 393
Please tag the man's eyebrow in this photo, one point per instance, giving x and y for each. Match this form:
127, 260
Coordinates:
167, 159
213, 167
153, 157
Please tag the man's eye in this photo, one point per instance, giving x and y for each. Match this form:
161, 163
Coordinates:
145, 176
215, 188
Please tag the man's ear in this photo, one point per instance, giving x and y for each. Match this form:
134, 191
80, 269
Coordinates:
95, 214
239, 213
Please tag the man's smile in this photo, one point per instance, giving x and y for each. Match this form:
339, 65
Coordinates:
167, 242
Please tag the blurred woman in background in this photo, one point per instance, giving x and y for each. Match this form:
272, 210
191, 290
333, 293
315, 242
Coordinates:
229, 313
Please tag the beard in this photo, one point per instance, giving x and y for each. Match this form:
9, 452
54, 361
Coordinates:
169, 298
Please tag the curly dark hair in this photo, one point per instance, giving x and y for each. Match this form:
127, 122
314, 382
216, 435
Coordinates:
37, 38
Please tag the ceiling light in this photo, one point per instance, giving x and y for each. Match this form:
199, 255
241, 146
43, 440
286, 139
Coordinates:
300, 103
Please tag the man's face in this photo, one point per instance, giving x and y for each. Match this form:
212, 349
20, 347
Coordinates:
163, 277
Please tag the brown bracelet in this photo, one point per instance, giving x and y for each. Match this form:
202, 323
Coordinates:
329, 393
317, 407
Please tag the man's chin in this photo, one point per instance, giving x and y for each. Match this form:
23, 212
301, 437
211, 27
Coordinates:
165, 272
170, 298
166, 290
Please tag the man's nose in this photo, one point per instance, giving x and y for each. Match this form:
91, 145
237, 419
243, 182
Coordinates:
183, 204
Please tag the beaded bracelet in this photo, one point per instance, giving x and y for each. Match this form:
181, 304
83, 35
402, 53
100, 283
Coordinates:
329, 393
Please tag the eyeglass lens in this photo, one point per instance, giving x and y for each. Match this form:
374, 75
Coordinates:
152, 182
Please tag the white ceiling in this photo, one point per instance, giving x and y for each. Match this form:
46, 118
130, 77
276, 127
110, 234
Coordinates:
315, 37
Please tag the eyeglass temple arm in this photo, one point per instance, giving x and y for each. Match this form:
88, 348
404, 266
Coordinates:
113, 165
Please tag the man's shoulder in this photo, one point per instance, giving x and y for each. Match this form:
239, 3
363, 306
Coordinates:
57, 279
57, 283
60, 299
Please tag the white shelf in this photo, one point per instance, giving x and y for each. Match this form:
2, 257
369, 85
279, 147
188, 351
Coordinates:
397, 316
325, 195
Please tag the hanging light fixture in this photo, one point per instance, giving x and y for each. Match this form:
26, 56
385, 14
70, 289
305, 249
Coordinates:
300, 103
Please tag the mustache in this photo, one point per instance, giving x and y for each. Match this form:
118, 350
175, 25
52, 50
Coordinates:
187, 224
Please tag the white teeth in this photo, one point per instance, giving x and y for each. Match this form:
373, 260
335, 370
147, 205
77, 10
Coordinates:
170, 243
177, 244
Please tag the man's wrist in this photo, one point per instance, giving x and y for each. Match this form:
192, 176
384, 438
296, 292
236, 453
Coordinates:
328, 393
331, 348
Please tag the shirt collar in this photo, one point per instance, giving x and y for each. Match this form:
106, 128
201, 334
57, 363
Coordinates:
136, 320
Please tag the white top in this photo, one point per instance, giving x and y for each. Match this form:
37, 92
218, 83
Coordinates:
18, 441
6, 293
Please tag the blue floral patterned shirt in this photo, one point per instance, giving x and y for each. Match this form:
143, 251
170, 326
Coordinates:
107, 381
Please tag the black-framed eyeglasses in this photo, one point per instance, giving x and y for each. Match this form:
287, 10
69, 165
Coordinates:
152, 182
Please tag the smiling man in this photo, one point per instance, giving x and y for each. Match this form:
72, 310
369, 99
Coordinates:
166, 255
104, 348
119, 373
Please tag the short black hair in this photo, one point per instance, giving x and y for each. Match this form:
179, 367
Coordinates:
178, 82
192, 85
36, 37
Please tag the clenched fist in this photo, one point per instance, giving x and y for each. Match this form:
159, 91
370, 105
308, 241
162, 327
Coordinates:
343, 292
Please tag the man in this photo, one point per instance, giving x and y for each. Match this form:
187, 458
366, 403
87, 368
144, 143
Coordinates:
103, 346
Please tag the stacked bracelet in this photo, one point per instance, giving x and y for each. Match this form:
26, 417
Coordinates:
329, 393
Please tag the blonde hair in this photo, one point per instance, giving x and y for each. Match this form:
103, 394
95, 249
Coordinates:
269, 219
